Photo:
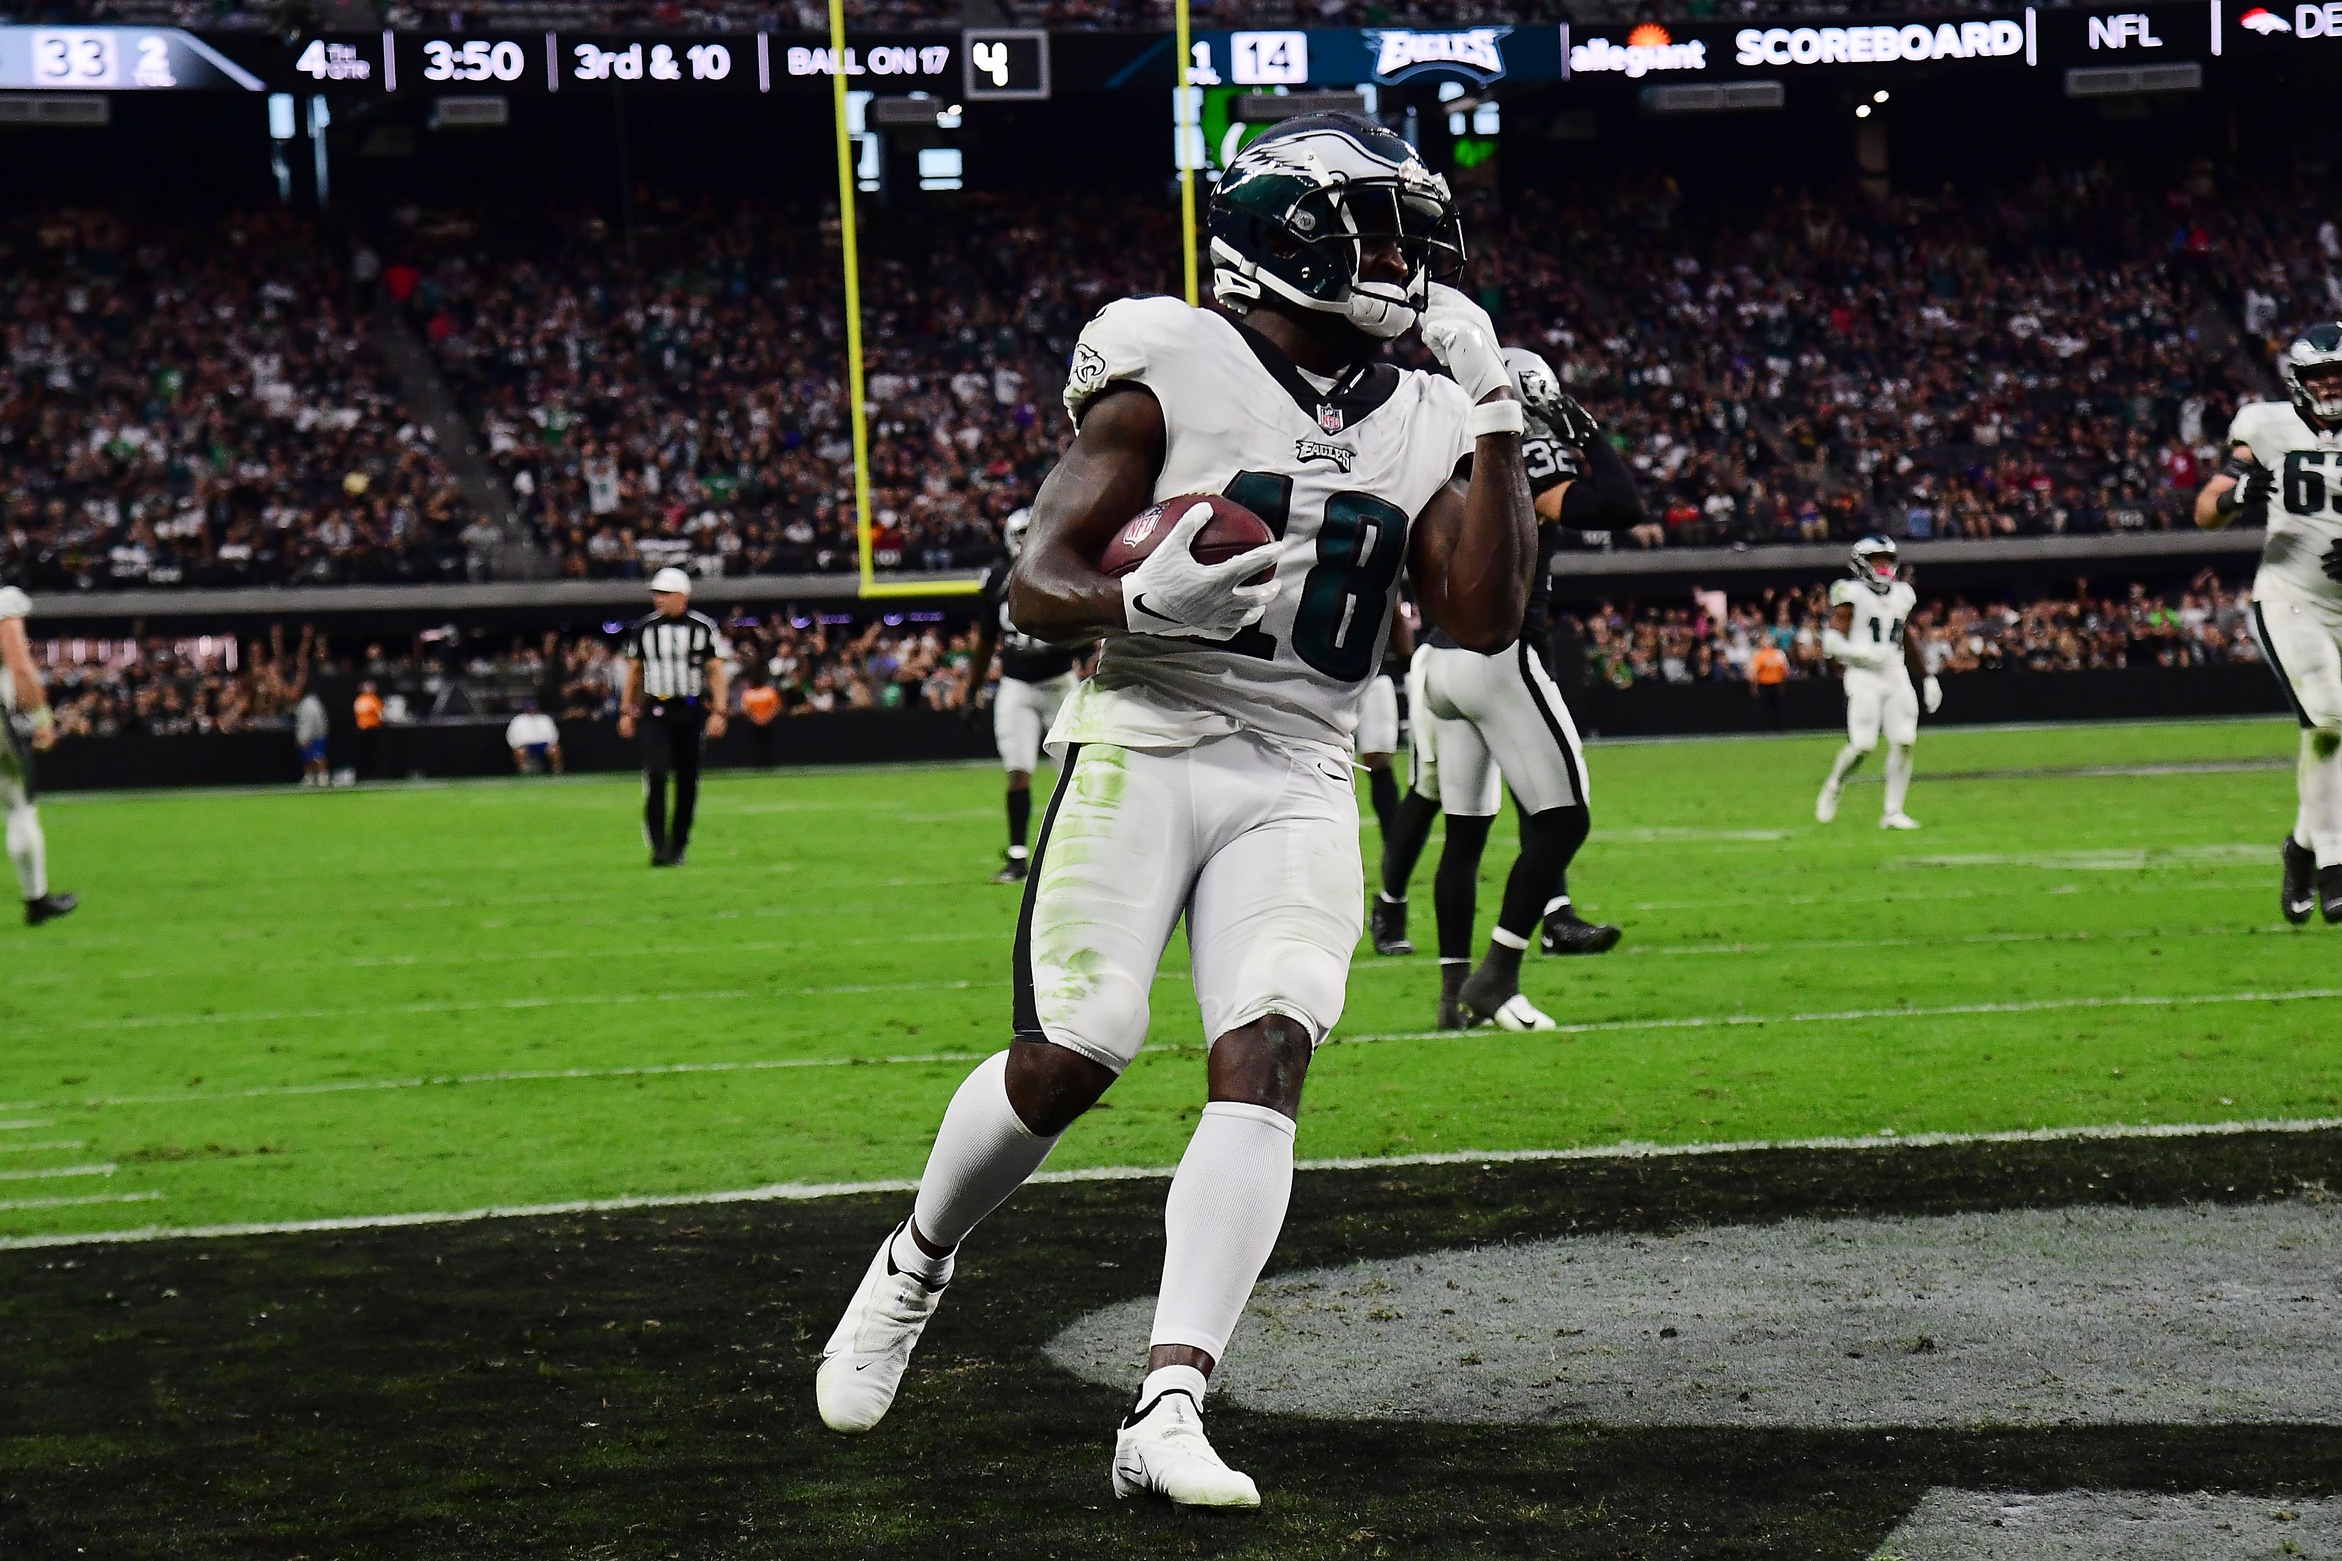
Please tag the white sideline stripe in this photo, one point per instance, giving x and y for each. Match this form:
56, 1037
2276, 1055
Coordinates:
533, 1075
36, 1148
1940, 1011
476, 1005
806, 1192
57, 1170
67, 1203
1596, 1027
17, 1127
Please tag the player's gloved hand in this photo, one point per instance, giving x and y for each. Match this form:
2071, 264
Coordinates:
1171, 593
2255, 486
1837, 647
1931, 693
1463, 339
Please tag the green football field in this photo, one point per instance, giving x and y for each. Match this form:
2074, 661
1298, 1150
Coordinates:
307, 1005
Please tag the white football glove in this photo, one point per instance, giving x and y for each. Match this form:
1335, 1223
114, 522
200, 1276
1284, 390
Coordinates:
1171, 593
1837, 647
1463, 339
1931, 693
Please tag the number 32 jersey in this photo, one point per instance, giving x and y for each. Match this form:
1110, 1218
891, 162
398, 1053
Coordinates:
1338, 474
2305, 511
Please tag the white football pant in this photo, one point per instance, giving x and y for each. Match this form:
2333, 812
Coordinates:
1500, 721
1378, 717
2302, 638
1881, 702
1021, 712
1257, 844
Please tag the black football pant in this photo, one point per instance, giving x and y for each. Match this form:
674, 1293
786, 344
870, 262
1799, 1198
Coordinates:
672, 734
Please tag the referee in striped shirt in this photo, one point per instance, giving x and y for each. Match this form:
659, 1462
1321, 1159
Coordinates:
674, 701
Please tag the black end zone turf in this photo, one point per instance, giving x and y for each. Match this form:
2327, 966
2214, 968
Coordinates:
640, 1384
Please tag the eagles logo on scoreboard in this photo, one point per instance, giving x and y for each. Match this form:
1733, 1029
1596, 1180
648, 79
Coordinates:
1006, 63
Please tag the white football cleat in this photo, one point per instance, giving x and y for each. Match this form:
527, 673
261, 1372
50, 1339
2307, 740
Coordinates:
1161, 1451
863, 1363
1518, 1013
1825, 806
1898, 821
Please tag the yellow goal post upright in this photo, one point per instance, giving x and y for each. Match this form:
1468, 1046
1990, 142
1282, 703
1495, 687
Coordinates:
1187, 126
857, 413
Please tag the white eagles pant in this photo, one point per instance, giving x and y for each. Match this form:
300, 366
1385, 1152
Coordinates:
1499, 720
1881, 701
27, 851
1378, 717
1255, 842
2303, 641
1021, 712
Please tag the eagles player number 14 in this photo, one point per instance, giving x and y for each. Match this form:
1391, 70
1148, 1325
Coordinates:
1360, 546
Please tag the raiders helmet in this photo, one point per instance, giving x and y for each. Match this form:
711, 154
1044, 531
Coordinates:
1299, 208
1874, 562
2311, 366
1012, 530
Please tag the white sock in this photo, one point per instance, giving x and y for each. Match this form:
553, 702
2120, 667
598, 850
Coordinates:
1556, 903
28, 851
1172, 1379
1898, 776
1387, 900
1848, 757
1221, 1221
2321, 802
1511, 940
983, 1152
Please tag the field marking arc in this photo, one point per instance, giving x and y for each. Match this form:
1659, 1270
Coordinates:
1591, 1027
805, 1192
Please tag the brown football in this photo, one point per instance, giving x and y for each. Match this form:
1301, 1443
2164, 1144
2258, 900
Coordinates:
1233, 529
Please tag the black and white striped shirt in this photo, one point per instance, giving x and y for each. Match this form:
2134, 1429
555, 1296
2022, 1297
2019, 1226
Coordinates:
674, 653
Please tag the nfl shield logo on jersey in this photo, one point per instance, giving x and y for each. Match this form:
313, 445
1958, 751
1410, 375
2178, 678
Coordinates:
1329, 418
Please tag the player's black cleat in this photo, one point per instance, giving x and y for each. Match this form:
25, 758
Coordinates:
2300, 895
662, 859
1492, 995
2330, 892
1565, 932
1013, 870
49, 907
1451, 996
1388, 923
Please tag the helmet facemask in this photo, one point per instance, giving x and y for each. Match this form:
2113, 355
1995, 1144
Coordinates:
1320, 214
2311, 366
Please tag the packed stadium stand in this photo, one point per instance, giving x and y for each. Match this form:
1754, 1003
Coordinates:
2058, 357
819, 663
201, 404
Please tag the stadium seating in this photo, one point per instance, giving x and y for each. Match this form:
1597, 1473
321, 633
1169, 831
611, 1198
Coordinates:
200, 404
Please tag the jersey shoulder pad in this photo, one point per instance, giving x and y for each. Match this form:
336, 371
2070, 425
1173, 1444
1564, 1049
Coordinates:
1119, 343
14, 603
1904, 598
1845, 592
2267, 426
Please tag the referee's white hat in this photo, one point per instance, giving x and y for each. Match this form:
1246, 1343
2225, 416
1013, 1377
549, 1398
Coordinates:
671, 579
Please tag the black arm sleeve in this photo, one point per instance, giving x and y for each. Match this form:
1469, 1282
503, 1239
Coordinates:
1603, 497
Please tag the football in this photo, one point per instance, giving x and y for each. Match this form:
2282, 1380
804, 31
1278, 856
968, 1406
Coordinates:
1233, 529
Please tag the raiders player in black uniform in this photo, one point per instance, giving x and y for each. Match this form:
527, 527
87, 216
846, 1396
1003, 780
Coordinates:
1035, 678
1473, 716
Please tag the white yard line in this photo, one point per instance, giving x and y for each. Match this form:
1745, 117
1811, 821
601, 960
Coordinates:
1598, 1027
798, 1192
18, 1127
54, 1143
1845, 1015
57, 1170
66, 1203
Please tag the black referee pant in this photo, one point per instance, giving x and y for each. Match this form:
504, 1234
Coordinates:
671, 732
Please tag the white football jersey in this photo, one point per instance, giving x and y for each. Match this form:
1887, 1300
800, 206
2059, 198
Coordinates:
13, 604
1879, 617
2305, 512
1339, 475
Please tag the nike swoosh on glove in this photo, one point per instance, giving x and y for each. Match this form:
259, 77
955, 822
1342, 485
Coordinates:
1463, 339
1172, 593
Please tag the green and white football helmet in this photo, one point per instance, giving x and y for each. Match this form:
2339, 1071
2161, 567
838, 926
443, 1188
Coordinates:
1300, 207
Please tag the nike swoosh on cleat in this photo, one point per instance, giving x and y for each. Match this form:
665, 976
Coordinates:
2300, 905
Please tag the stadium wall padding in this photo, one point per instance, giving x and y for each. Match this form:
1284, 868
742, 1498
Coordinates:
892, 736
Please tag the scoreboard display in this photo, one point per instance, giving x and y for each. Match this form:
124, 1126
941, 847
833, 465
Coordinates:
116, 59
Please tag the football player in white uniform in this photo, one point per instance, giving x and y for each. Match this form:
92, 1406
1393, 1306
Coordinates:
2286, 462
24, 699
1865, 636
1207, 762
1035, 678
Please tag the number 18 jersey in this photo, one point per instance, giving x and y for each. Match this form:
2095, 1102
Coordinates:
1338, 474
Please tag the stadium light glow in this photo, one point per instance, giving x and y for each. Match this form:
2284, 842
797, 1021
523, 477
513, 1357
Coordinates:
1862, 111
1880, 96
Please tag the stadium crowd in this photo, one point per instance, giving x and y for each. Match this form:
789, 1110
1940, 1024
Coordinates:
819, 663
199, 404
1711, 640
